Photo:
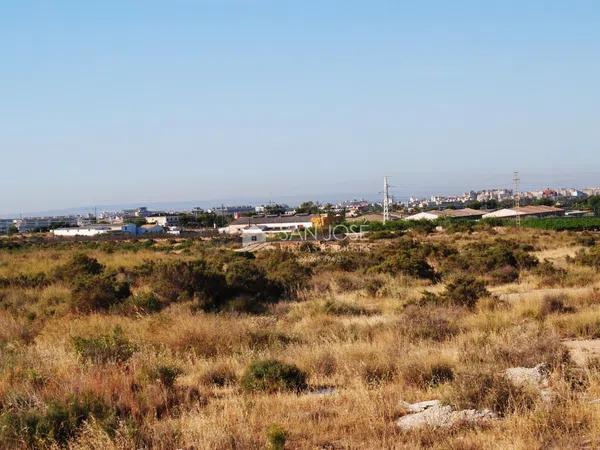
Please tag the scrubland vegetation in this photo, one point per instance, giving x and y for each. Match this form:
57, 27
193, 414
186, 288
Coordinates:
188, 344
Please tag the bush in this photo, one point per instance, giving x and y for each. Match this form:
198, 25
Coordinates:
276, 437
57, 423
79, 264
550, 274
589, 258
408, 257
146, 303
427, 323
187, 280
554, 304
485, 259
337, 308
105, 348
273, 376
283, 269
165, 375
376, 372
424, 376
488, 391
95, 293
219, 375
463, 291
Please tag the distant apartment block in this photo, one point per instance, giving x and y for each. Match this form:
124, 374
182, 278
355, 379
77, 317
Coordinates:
6, 225
31, 224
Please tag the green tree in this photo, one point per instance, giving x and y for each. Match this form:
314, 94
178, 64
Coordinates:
594, 203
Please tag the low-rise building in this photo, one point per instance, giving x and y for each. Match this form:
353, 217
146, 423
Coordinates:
163, 221
152, 228
271, 224
30, 224
525, 211
465, 213
95, 230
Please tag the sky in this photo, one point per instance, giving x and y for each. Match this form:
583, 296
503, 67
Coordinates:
131, 101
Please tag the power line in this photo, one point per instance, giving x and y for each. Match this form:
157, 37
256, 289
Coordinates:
386, 200
517, 196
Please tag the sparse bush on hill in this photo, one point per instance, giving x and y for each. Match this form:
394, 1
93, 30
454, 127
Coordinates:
284, 269
424, 375
589, 257
106, 348
407, 257
78, 265
55, 423
462, 291
485, 390
500, 260
97, 293
435, 324
272, 376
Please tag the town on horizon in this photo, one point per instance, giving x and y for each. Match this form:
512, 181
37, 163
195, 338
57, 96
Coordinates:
142, 220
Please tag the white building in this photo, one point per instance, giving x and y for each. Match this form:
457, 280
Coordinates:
253, 235
163, 221
271, 224
464, 213
95, 230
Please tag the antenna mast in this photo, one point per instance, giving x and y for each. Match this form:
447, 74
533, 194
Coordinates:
517, 196
386, 200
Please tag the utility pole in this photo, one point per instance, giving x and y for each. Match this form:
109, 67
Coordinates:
517, 196
386, 200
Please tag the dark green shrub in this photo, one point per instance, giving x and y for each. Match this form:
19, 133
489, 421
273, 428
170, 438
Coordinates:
465, 291
187, 280
425, 376
283, 269
79, 264
485, 259
276, 437
220, 375
96, 293
272, 376
105, 348
165, 375
146, 303
56, 423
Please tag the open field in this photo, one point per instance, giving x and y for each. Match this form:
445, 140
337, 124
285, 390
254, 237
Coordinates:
187, 344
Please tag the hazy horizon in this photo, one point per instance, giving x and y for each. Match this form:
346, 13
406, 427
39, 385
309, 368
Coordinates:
123, 102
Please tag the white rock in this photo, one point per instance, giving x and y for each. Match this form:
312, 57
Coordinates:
536, 377
433, 414
420, 406
531, 377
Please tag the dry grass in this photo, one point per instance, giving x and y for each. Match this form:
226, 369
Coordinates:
365, 337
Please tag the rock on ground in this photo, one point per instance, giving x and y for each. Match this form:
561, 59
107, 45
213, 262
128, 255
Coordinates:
433, 414
535, 378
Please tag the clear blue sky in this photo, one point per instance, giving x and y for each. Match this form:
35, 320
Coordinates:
119, 101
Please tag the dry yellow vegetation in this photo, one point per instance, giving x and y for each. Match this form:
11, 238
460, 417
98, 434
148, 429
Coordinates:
165, 362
